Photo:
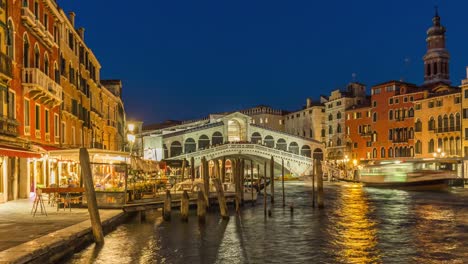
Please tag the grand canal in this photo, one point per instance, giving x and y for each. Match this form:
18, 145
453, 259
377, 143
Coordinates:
358, 225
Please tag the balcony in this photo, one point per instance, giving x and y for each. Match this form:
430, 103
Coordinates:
41, 88
8, 126
366, 134
111, 123
5, 67
28, 17
447, 129
37, 27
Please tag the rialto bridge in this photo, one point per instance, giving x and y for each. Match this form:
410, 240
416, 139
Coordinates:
232, 136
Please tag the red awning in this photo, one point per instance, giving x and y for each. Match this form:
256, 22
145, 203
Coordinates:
20, 153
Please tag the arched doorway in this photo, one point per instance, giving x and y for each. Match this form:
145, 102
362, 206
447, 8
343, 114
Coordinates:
203, 142
217, 138
176, 148
256, 138
293, 148
269, 141
306, 151
190, 145
281, 144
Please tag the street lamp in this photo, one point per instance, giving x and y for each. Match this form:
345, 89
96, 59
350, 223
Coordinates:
439, 153
131, 140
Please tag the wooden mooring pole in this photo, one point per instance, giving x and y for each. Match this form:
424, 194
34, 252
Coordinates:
184, 206
223, 171
206, 180
86, 172
265, 189
272, 179
242, 180
221, 199
320, 203
192, 168
236, 170
182, 173
201, 207
282, 181
251, 182
167, 206
314, 170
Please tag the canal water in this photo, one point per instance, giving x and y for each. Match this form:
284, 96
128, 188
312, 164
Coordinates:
358, 225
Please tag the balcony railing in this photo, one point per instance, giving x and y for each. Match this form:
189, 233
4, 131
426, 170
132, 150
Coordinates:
28, 16
41, 88
8, 126
37, 27
5, 66
448, 129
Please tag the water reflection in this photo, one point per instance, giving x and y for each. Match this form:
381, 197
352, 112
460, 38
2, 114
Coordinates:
359, 225
353, 232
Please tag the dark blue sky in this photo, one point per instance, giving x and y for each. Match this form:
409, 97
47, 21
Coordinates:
185, 59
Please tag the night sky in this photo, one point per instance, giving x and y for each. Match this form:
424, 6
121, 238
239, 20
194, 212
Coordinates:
184, 59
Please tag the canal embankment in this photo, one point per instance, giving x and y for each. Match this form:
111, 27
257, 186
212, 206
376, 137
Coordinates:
42, 238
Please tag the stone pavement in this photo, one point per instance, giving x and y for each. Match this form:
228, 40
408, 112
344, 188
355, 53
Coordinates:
18, 226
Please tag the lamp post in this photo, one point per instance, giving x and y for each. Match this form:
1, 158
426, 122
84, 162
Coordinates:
439, 154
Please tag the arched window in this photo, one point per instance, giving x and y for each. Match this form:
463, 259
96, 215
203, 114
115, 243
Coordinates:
390, 153
190, 145
338, 142
440, 126
452, 123
306, 151
411, 112
374, 117
25, 3
293, 148
374, 153
374, 137
458, 146
203, 142
418, 147
11, 40
36, 9
411, 133
330, 117
256, 138
281, 144
217, 138
457, 122
338, 115
176, 149
56, 73
269, 141
330, 130
446, 123
382, 152
25, 51
390, 115
431, 123
418, 126
338, 128
46, 64
36, 57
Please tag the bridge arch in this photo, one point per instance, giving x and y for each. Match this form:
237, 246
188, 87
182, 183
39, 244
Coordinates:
176, 149
293, 148
203, 142
281, 144
256, 138
306, 151
190, 145
236, 130
217, 138
269, 141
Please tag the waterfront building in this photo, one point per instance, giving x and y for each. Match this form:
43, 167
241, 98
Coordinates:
464, 112
266, 116
438, 123
337, 103
358, 131
51, 94
307, 122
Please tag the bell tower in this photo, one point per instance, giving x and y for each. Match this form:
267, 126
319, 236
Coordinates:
436, 59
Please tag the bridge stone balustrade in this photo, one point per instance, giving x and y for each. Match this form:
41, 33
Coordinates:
294, 163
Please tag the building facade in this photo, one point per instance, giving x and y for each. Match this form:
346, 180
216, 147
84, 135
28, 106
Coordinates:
335, 107
307, 122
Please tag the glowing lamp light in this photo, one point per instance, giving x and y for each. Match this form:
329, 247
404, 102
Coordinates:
131, 127
131, 138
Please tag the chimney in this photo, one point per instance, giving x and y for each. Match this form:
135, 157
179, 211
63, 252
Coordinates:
309, 102
71, 16
81, 31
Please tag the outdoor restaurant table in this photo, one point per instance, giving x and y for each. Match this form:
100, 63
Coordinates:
58, 191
